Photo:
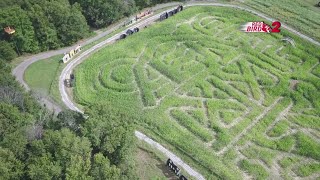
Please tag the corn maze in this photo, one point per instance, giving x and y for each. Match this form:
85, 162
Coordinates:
234, 104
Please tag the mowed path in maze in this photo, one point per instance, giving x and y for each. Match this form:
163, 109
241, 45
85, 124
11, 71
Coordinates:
237, 104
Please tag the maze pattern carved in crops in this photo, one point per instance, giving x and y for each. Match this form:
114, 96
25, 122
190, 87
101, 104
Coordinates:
225, 79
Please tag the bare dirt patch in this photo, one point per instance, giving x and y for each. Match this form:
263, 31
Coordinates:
150, 167
294, 84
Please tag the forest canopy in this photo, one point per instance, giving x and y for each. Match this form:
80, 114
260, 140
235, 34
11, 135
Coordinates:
42, 25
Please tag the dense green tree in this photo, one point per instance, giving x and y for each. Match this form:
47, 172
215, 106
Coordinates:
143, 3
111, 133
9, 94
147, 3
64, 143
69, 119
12, 93
16, 142
12, 129
4, 67
6, 51
10, 166
78, 168
6, 79
101, 168
7, 3
46, 33
77, 26
24, 37
41, 25
11, 120
100, 13
107, 129
44, 168
128, 8
62, 151
69, 22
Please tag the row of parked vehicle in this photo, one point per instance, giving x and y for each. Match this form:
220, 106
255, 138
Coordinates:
163, 16
166, 15
129, 32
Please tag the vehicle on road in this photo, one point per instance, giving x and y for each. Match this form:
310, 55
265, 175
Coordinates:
173, 167
67, 83
123, 36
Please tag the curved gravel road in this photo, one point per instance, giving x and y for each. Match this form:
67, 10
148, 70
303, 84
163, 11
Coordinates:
19, 70
68, 69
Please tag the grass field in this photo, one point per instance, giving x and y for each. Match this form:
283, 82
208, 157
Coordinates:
231, 104
151, 164
48, 71
42, 77
303, 15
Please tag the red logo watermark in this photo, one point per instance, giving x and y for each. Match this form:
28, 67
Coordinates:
261, 27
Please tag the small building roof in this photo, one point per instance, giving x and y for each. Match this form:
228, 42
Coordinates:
9, 30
